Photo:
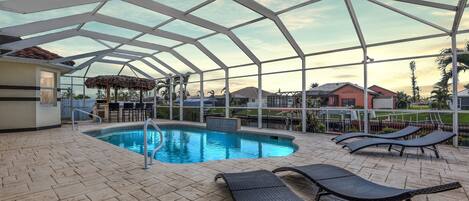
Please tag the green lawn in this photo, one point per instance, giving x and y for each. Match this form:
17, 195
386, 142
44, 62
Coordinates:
446, 117
422, 116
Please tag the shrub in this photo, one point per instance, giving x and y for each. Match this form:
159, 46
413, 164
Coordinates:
388, 130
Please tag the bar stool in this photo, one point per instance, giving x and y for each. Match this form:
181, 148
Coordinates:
127, 111
138, 111
148, 110
113, 109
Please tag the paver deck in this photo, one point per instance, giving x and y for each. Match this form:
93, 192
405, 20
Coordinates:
61, 164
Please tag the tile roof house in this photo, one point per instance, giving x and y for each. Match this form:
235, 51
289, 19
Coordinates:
463, 99
340, 94
32, 52
31, 97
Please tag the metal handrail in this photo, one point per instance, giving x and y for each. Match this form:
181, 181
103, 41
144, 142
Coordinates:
145, 144
85, 112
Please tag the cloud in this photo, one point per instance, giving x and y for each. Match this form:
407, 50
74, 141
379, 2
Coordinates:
443, 13
310, 17
346, 76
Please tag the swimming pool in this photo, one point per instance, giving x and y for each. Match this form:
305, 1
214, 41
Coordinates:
187, 144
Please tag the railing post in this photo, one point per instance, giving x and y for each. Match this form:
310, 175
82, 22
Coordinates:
154, 103
201, 94
171, 98
181, 98
365, 90
145, 145
259, 96
303, 95
455, 89
227, 93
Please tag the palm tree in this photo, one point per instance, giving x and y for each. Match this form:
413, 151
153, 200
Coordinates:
314, 85
413, 78
223, 91
162, 87
446, 59
440, 96
403, 100
212, 93
100, 94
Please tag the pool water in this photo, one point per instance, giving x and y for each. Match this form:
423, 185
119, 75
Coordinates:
184, 144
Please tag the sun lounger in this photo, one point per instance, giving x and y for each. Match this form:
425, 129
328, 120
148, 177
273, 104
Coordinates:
260, 185
407, 131
428, 141
344, 184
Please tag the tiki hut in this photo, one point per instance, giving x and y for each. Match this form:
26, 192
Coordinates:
120, 82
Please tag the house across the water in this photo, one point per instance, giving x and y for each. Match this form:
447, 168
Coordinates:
342, 94
463, 99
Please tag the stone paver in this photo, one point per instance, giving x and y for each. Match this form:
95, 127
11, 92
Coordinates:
60, 164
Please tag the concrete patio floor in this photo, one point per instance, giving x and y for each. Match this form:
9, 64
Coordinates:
61, 164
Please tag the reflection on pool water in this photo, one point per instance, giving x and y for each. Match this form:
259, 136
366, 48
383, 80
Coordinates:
184, 144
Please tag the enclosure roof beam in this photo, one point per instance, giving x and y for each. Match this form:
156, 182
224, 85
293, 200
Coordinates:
356, 24
132, 67
169, 11
129, 52
458, 16
96, 10
28, 6
46, 25
17, 45
154, 67
111, 61
88, 63
149, 56
430, 4
160, 33
122, 56
410, 16
164, 64
80, 56
185, 61
41, 26
262, 10
30, 42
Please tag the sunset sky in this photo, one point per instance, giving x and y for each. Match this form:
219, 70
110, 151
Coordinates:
317, 27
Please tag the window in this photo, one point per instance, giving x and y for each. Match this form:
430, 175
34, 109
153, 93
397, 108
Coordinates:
348, 102
48, 87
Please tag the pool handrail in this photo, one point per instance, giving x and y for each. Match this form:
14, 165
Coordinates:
145, 143
85, 112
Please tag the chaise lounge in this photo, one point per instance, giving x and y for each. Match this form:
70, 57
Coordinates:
342, 183
407, 131
426, 142
260, 185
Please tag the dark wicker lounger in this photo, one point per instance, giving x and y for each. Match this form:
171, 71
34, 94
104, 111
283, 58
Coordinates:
344, 184
260, 185
428, 141
407, 131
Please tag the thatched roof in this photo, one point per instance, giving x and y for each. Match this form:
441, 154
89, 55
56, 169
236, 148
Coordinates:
120, 82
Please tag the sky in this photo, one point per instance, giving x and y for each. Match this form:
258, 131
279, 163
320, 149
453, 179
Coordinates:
320, 26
